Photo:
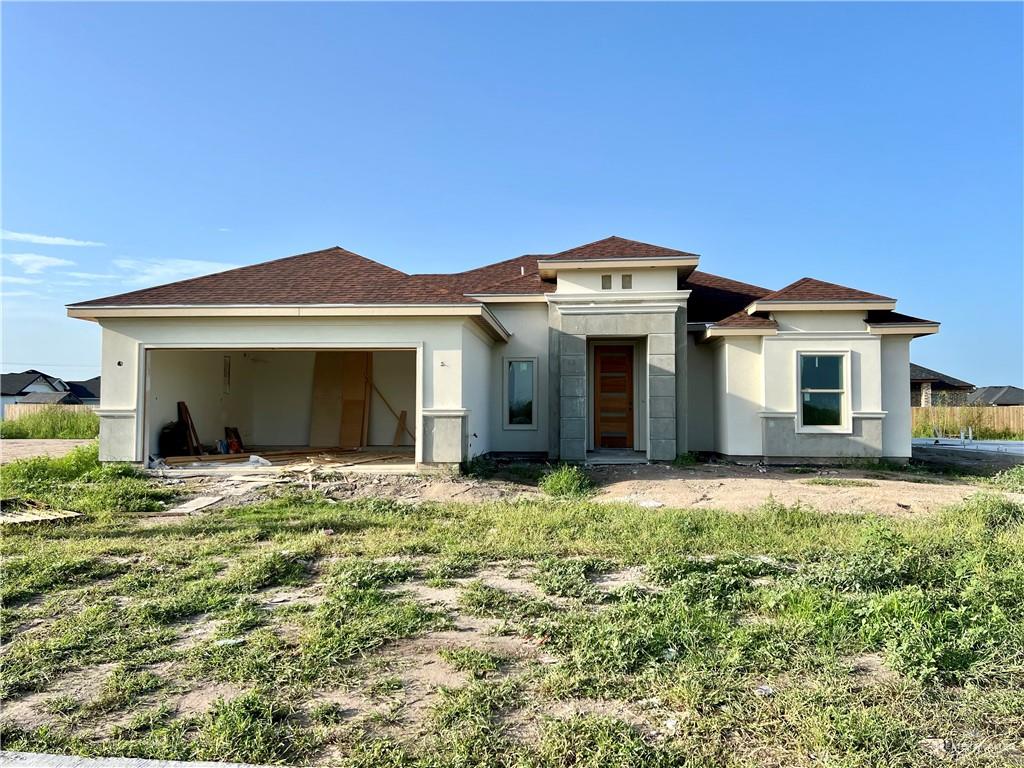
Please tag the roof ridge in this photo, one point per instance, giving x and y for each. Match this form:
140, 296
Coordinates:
782, 293
259, 266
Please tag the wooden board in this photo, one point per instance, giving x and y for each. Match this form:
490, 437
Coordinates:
341, 399
355, 405
325, 414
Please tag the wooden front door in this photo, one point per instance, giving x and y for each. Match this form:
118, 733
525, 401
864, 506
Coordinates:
613, 397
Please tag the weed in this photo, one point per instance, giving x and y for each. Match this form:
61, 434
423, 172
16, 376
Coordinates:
328, 713
476, 662
840, 482
52, 423
569, 577
254, 728
123, 687
566, 481
480, 599
1010, 479
599, 742
685, 460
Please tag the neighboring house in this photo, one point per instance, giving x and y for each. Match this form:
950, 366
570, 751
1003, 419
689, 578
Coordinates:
614, 346
17, 386
88, 391
928, 388
50, 398
1008, 395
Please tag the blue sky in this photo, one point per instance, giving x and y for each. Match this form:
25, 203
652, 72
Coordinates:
873, 145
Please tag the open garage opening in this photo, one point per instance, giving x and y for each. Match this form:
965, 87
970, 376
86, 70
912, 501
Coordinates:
340, 406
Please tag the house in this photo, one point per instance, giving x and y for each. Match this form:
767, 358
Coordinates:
1008, 395
615, 346
50, 398
17, 386
87, 390
928, 388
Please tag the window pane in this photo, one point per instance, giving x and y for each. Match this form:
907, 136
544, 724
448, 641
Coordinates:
606, 282
821, 372
822, 408
520, 392
627, 282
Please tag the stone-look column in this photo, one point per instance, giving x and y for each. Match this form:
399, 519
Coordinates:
573, 397
682, 393
661, 402
926, 394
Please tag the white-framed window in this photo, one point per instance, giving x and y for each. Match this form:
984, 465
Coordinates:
627, 282
519, 402
823, 391
606, 282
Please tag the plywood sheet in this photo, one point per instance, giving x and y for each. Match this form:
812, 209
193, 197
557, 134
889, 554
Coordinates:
355, 388
325, 416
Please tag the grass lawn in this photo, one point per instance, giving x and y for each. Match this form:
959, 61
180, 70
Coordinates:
543, 633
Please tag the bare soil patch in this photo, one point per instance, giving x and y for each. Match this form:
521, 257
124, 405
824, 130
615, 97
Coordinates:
736, 488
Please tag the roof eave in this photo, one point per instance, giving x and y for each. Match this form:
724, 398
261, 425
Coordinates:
903, 329
837, 305
549, 267
94, 313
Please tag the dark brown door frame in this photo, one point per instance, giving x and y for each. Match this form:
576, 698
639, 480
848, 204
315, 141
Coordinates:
614, 406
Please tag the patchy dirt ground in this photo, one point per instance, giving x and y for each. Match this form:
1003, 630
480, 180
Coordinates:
729, 487
10, 450
734, 487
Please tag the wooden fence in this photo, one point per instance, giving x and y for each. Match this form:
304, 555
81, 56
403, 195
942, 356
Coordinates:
14, 411
992, 422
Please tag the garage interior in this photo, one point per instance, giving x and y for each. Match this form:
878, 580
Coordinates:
339, 406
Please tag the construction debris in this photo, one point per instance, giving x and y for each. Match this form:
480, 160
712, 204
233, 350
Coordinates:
18, 510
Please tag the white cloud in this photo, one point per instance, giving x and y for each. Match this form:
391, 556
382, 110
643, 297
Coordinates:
223, 229
91, 276
18, 280
18, 294
157, 271
28, 237
34, 263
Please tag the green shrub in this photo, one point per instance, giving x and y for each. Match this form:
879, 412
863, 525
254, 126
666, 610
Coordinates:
685, 460
52, 423
566, 481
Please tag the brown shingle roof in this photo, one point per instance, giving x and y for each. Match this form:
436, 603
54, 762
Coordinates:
809, 289
330, 276
743, 320
615, 247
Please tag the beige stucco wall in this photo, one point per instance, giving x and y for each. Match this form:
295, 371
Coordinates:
528, 324
476, 390
739, 392
756, 398
644, 279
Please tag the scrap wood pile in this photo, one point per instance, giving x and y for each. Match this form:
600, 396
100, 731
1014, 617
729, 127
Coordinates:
335, 456
18, 510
